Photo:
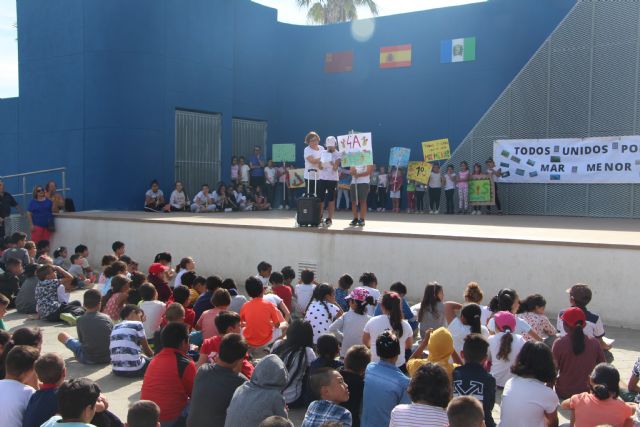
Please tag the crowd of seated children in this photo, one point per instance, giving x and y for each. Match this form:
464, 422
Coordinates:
292, 346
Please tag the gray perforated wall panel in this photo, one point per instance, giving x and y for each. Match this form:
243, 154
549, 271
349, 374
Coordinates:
582, 82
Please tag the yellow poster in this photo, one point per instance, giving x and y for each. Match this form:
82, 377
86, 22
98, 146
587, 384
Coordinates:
419, 171
436, 150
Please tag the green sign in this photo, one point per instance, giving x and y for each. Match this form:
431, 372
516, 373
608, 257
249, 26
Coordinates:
357, 158
283, 152
481, 191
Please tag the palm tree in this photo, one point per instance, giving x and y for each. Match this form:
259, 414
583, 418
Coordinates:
332, 11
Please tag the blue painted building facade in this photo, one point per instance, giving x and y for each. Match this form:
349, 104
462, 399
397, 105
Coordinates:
100, 82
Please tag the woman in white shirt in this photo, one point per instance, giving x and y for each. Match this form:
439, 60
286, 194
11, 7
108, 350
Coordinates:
312, 155
527, 401
391, 318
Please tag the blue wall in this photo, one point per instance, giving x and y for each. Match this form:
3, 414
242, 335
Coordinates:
100, 82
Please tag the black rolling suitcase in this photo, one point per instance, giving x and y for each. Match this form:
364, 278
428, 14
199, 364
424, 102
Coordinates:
310, 205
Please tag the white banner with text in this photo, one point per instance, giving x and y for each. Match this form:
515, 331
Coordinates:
603, 160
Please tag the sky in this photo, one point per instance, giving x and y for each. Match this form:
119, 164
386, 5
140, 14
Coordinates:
288, 11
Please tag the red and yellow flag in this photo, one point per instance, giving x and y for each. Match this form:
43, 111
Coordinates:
395, 56
338, 62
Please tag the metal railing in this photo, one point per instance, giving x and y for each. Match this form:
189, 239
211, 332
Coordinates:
23, 178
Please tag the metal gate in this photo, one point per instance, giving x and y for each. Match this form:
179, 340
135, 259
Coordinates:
246, 135
197, 149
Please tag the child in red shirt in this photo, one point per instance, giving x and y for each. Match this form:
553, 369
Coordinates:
227, 322
181, 295
276, 280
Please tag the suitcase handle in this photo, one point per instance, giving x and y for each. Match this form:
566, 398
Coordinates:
315, 182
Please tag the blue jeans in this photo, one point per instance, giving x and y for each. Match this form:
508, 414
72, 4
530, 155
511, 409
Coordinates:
75, 346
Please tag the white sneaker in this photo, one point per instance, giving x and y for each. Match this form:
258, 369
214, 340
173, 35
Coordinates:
473, 212
228, 210
437, 212
479, 213
280, 207
287, 207
430, 212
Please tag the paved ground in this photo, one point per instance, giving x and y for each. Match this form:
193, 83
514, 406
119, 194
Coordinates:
122, 392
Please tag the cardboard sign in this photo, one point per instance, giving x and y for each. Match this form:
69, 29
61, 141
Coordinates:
357, 149
296, 178
419, 171
437, 149
283, 152
399, 157
481, 191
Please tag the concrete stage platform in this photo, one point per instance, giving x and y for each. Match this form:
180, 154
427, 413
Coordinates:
531, 254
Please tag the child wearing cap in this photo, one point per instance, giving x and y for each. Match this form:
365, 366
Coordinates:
348, 327
159, 278
504, 347
579, 296
575, 354
328, 175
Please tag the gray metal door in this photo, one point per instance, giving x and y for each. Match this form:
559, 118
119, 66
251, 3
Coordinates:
246, 135
197, 149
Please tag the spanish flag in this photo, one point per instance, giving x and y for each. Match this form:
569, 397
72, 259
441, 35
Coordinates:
338, 62
395, 56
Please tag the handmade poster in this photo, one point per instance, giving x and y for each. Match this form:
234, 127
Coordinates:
283, 152
419, 171
296, 178
481, 191
357, 149
399, 157
599, 160
435, 150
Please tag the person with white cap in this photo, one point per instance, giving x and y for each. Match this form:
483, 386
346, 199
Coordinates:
328, 183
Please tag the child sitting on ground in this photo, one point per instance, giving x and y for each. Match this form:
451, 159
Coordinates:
78, 402
26, 298
322, 310
143, 413
116, 297
130, 351
152, 308
348, 327
264, 272
75, 269
220, 300
276, 280
227, 322
472, 379
532, 311
94, 329
49, 306
580, 296
43, 404
10, 279
263, 323
465, 411
439, 344
181, 295
344, 283
504, 347
174, 314
15, 388
355, 363
601, 405
237, 300
262, 394
4, 305
430, 391
304, 290
328, 349
329, 389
